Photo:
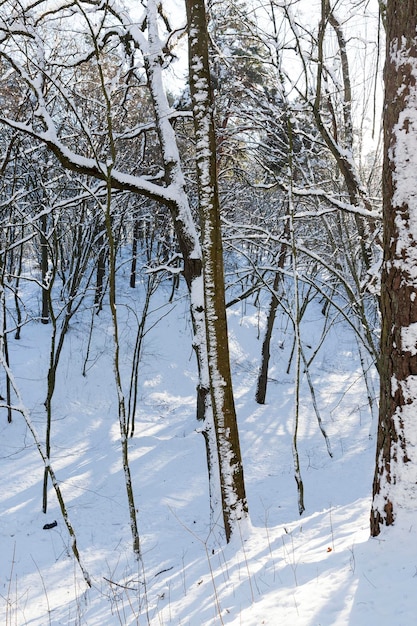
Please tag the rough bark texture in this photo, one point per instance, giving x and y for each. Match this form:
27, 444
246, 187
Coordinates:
399, 287
234, 505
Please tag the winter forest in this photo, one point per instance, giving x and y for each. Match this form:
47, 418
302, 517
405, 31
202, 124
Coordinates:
208, 312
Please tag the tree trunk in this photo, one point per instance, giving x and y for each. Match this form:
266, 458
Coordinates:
234, 505
266, 344
395, 480
190, 248
343, 152
44, 270
100, 273
136, 228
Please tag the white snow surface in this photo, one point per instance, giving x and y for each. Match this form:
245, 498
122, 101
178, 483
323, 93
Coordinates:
409, 338
318, 569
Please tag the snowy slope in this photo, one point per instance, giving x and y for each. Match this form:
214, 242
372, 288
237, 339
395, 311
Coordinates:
318, 569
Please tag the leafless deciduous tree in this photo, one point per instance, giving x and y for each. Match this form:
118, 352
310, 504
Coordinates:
232, 486
78, 95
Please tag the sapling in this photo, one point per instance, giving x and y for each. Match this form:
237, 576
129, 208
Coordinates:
22, 409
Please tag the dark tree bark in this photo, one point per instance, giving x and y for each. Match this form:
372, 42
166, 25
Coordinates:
100, 273
44, 270
395, 479
342, 150
272, 311
232, 486
134, 254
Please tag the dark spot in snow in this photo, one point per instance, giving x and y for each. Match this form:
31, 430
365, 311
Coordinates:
51, 525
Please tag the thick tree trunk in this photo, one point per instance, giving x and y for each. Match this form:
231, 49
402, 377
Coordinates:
234, 505
190, 248
395, 481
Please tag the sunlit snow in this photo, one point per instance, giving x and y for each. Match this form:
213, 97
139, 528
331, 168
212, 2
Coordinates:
320, 568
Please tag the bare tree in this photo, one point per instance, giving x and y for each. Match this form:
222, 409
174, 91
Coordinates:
91, 140
234, 505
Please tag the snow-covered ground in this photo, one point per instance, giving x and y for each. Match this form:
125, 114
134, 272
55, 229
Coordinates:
320, 569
